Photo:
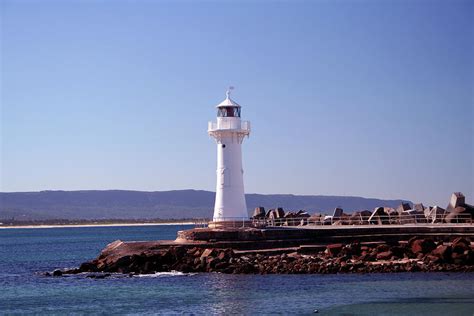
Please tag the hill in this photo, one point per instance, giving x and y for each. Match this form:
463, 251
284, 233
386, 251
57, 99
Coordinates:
120, 204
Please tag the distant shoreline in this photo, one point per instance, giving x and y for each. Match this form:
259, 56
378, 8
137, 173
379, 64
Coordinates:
95, 225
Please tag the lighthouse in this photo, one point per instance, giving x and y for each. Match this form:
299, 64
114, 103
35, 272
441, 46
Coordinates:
229, 132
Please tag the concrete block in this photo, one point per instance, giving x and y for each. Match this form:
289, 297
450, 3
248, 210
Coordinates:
457, 199
337, 212
259, 212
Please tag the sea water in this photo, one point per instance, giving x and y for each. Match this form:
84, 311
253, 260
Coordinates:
25, 253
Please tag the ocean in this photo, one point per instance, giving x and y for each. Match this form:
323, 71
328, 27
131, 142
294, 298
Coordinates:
25, 253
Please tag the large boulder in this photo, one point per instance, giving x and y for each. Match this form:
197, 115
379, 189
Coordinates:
316, 218
460, 245
225, 254
290, 219
435, 214
209, 252
458, 211
378, 217
459, 214
327, 220
403, 207
365, 214
390, 211
385, 255
333, 249
302, 213
259, 212
419, 207
88, 267
301, 218
276, 216
337, 212
457, 199
392, 214
412, 217
424, 246
344, 219
443, 252
280, 213
355, 219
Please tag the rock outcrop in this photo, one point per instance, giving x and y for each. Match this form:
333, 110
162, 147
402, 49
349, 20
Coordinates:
416, 254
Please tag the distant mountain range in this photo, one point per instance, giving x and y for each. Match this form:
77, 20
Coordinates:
120, 204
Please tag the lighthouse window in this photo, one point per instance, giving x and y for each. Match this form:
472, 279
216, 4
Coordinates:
228, 111
221, 112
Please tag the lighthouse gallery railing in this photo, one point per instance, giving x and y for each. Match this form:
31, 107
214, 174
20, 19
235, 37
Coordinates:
382, 220
231, 125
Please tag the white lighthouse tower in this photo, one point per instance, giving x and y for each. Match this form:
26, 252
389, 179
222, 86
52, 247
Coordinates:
229, 131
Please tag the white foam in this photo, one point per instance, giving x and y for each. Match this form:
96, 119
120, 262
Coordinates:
164, 274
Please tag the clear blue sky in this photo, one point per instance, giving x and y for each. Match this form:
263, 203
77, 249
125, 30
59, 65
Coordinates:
364, 98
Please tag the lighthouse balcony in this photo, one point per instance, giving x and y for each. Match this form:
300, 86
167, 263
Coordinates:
230, 126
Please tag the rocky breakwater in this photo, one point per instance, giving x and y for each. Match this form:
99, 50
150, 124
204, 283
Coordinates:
416, 254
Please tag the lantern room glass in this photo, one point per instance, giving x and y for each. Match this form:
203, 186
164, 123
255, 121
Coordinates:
228, 111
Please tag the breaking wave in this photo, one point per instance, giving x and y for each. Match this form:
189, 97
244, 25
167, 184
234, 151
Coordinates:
163, 274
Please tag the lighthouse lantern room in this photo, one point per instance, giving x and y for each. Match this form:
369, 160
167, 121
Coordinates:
229, 132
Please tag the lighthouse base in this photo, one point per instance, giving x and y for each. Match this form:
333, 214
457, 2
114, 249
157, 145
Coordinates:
230, 224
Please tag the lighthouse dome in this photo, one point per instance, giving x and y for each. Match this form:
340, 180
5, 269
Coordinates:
228, 101
228, 107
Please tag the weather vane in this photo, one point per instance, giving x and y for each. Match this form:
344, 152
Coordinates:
229, 91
